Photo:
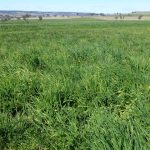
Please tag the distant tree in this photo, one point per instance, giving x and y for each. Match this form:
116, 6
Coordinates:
25, 17
5, 18
40, 18
102, 14
140, 17
8, 17
92, 14
121, 16
18, 18
116, 17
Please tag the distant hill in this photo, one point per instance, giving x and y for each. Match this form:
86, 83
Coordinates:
46, 14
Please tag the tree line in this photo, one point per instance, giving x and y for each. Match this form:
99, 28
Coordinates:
23, 17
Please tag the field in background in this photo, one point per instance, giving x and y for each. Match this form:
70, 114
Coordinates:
75, 84
109, 17
145, 18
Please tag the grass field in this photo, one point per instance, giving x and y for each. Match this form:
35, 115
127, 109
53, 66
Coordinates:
80, 84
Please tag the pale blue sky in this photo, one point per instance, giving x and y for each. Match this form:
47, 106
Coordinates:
106, 6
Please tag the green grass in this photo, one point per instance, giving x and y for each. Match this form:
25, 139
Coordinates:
75, 85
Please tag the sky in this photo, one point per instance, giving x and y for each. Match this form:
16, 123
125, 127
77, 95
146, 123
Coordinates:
97, 6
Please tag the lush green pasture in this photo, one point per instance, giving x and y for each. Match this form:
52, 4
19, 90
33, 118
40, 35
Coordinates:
75, 85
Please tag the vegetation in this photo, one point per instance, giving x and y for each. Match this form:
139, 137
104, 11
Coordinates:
40, 18
25, 17
121, 16
5, 18
140, 17
75, 85
116, 17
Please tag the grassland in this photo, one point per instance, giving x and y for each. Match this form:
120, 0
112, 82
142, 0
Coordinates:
75, 85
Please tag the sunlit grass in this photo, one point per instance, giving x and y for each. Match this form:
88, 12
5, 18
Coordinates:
75, 84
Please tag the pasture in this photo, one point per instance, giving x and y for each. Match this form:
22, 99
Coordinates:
76, 84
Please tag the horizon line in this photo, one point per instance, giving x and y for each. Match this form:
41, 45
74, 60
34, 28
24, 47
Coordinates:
65, 11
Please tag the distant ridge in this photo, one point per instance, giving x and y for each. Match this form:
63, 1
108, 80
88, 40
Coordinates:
40, 13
